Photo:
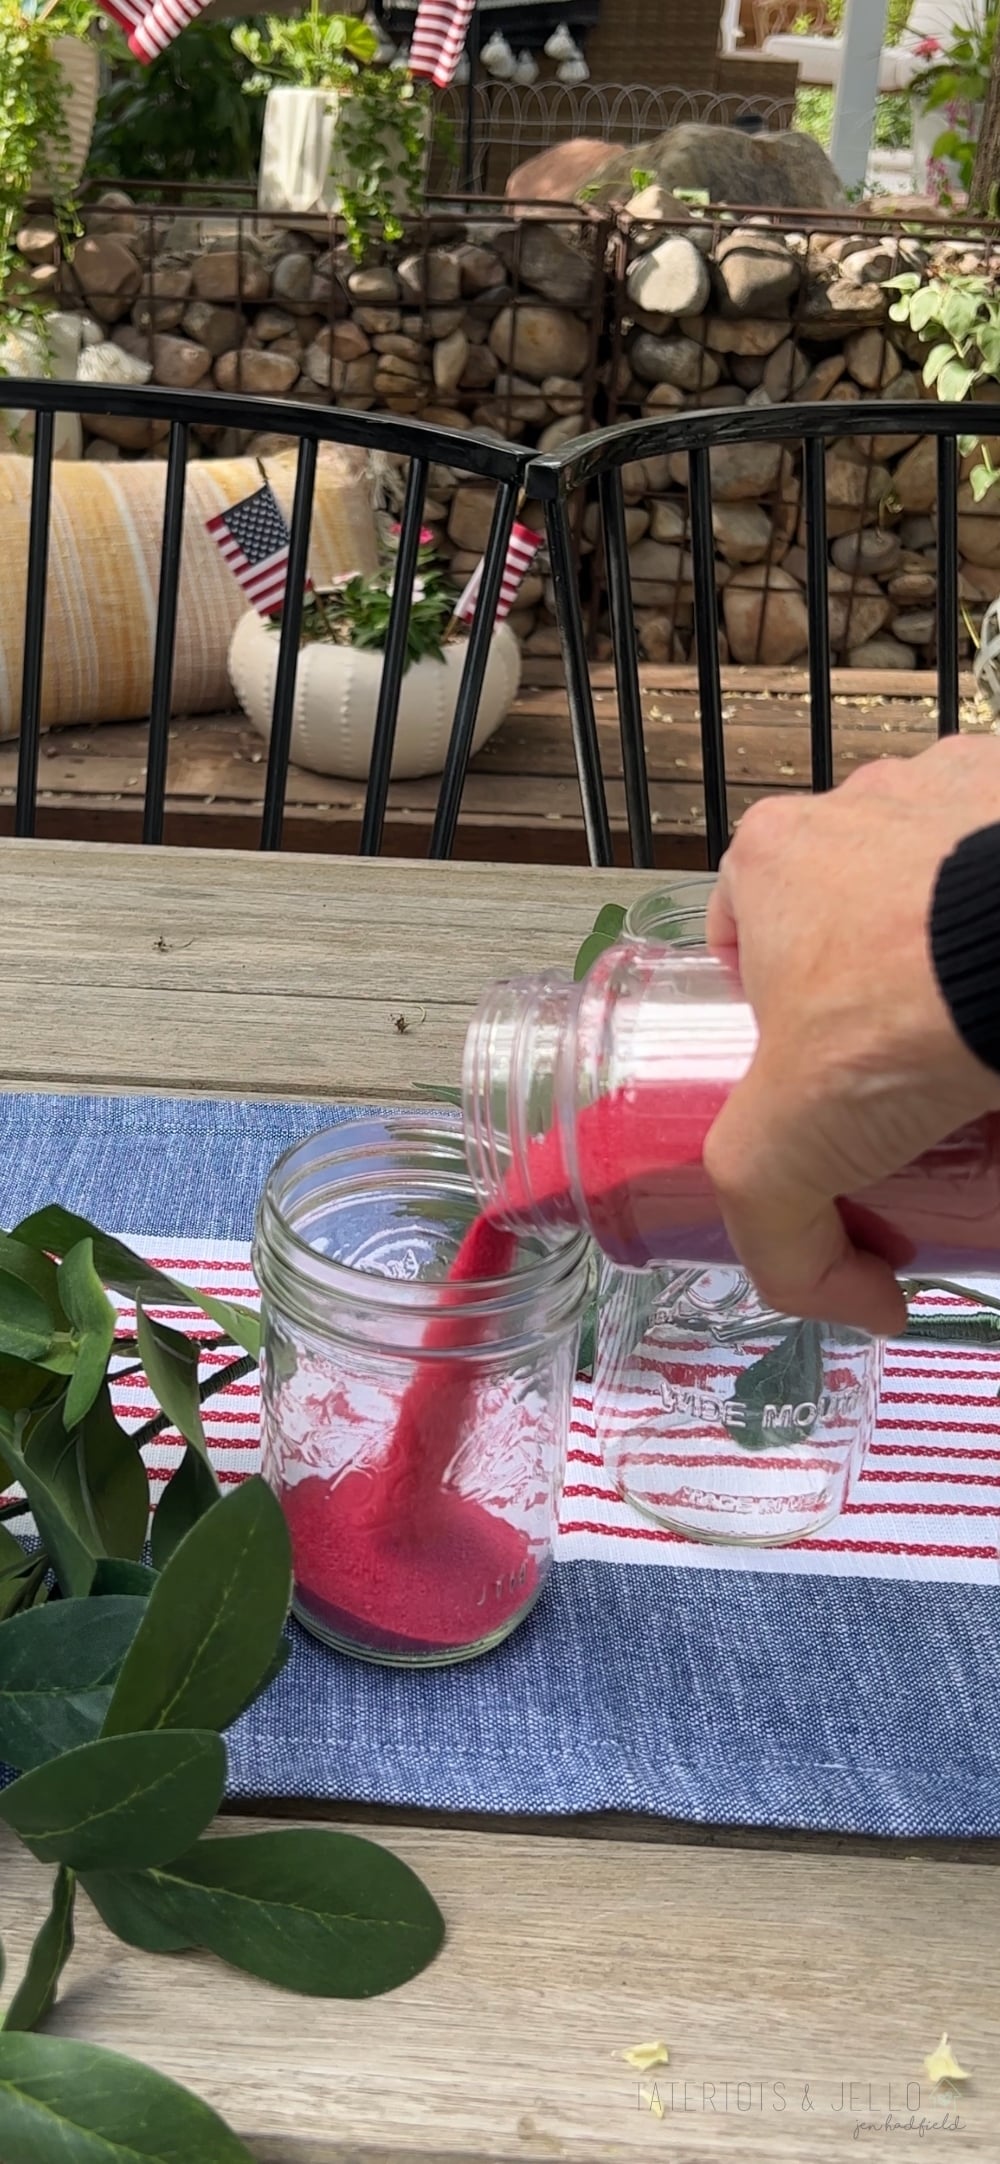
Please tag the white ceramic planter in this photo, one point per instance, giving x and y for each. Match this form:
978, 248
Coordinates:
336, 699
300, 163
81, 68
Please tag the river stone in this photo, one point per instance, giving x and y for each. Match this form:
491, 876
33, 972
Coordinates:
225, 275
914, 626
264, 374
538, 256
540, 341
747, 335
448, 361
637, 523
107, 274
858, 610
471, 514
765, 615
739, 470
757, 273
434, 276
822, 378
784, 373
883, 652
672, 279
742, 531
851, 482
673, 360
292, 277
374, 282
979, 527
874, 550
668, 520
872, 359
180, 364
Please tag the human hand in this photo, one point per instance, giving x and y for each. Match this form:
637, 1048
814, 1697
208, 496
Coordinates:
859, 1067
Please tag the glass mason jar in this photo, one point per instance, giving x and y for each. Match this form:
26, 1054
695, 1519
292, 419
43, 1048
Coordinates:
670, 916
721, 1420
415, 1423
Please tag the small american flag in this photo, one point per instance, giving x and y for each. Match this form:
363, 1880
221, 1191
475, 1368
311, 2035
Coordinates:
522, 549
126, 13
254, 541
157, 26
438, 37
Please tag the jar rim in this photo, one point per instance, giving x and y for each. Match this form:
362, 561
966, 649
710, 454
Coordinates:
680, 906
550, 1271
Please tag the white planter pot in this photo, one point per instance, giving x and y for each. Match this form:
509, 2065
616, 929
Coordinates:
81, 69
336, 699
300, 161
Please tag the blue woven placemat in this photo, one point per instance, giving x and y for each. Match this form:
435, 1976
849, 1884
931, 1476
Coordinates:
856, 1689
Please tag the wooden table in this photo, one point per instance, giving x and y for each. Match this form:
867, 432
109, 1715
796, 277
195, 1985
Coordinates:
780, 1971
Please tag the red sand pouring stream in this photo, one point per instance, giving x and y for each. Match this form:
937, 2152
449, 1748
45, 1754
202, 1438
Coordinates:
400, 1561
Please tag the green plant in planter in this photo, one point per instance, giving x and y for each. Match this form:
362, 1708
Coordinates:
355, 612
382, 123
117, 1680
960, 320
34, 142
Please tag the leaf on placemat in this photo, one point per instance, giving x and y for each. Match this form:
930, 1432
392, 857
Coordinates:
788, 1375
126, 1902
93, 1320
121, 1803
35, 1995
189, 1494
311, 1910
213, 1620
171, 1363
56, 1230
607, 930
63, 2101
58, 1666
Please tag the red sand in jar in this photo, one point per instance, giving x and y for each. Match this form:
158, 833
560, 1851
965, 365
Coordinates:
398, 1561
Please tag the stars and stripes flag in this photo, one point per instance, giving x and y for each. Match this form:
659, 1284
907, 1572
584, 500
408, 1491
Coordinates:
152, 27
522, 549
254, 541
438, 38
128, 14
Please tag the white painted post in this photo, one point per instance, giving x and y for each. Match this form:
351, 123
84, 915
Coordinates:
857, 91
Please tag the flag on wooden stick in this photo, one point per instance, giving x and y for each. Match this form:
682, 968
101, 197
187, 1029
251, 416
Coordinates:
522, 549
439, 35
254, 541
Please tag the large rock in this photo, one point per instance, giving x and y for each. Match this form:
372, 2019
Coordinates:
448, 362
979, 527
557, 175
851, 482
765, 614
179, 363
160, 305
784, 373
914, 480
728, 166
657, 561
680, 361
757, 273
471, 514
872, 358
292, 277
540, 341
883, 652
874, 550
671, 280
375, 282
434, 276
217, 329
668, 519
827, 311
858, 609
538, 255
749, 336
739, 470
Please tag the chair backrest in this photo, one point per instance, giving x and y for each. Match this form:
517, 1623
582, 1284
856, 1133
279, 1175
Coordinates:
596, 462
478, 456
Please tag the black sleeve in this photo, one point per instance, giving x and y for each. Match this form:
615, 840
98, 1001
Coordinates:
965, 941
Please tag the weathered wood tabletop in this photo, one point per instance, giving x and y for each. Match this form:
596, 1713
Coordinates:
798, 1984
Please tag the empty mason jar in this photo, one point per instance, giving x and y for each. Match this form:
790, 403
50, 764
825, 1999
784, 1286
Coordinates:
721, 1420
417, 1379
670, 916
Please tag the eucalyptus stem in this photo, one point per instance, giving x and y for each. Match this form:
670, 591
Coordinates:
234, 1373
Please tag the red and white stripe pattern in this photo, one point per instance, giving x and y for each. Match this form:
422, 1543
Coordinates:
253, 539
522, 549
439, 35
926, 1507
160, 24
126, 13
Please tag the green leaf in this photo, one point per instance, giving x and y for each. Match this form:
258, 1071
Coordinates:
904, 282
57, 1230
113, 1481
44, 1460
35, 1995
171, 1363
121, 1803
62, 2102
956, 380
124, 1902
790, 1374
314, 1911
93, 1319
607, 929
959, 311
213, 1620
188, 1496
58, 1666
35, 1270
988, 339
936, 359
981, 480
114, 1575
925, 308
26, 1331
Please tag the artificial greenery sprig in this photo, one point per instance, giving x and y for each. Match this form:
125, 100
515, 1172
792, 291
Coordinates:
355, 612
118, 1678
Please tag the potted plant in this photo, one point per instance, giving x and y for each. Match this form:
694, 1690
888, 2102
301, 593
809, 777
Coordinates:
340, 132
340, 670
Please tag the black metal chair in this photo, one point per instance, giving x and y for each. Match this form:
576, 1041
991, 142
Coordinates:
480, 457
598, 461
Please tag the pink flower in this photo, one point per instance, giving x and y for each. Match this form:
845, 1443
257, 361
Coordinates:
426, 535
926, 48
